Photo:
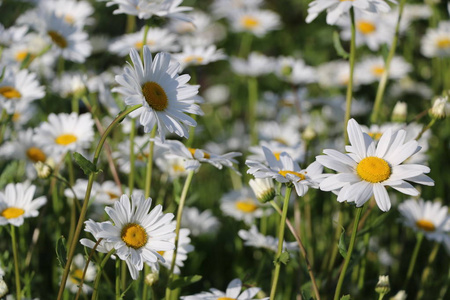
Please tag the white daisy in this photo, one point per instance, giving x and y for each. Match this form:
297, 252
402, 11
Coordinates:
337, 8
138, 233
233, 292
335, 74
64, 132
17, 203
145, 9
76, 274
254, 238
372, 68
73, 12
430, 218
199, 223
172, 165
255, 65
285, 170
296, 151
263, 188
256, 21
294, 71
198, 56
70, 84
12, 35
165, 96
242, 205
141, 151
368, 168
223, 8
436, 41
18, 86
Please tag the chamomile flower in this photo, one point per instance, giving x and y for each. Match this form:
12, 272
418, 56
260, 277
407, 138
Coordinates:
368, 168
18, 86
233, 291
436, 41
76, 274
172, 165
296, 151
222, 8
145, 9
17, 203
241, 205
165, 96
200, 55
255, 21
294, 71
263, 188
256, 65
10, 36
141, 151
372, 68
337, 8
430, 218
335, 74
285, 170
253, 238
71, 11
138, 233
199, 223
64, 132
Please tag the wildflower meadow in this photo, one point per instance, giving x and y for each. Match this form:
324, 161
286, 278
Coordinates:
224, 149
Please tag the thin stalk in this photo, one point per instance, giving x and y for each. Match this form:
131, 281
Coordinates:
132, 155
16, 262
413, 260
337, 234
99, 273
80, 285
384, 77
245, 46
349, 95
426, 271
425, 128
144, 40
131, 24
118, 279
349, 253
252, 100
83, 211
362, 269
184, 192
276, 272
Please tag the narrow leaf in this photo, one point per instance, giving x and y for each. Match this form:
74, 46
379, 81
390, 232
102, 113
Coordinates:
87, 166
61, 251
341, 246
184, 281
338, 46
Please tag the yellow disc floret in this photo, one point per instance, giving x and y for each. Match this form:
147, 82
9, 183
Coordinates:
425, 225
155, 96
249, 22
58, 39
226, 298
197, 59
247, 206
205, 154
76, 276
9, 92
66, 139
299, 175
12, 213
365, 27
134, 235
443, 43
35, 154
373, 169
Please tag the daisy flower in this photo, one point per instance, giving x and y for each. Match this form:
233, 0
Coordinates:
369, 167
199, 223
256, 65
64, 132
18, 86
145, 9
436, 41
337, 8
138, 233
263, 188
198, 56
165, 96
10, 36
241, 205
255, 21
71, 11
372, 68
430, 218
297, 151
17, 203
233, 292
285, 170
335, 74
172, 165
141, 151
253, 238
223, 8
294, 71
76, 274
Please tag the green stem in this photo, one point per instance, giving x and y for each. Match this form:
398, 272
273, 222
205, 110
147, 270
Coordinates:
426, 271
276, 273
144, 40
425, 128
337, 234
132, 156
186, 186
131, 24
80, 285
118, 261
349, 95
384, 77
16, 262
413, 260
99, 273
246, 43
362, 269
83, 211
349, 253
252, 100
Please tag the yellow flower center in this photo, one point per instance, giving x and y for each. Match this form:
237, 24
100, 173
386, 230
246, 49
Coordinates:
443, 43
197, 59
66, 139
205, 154
377, 70
375, 135
425, 225
277, 155
112, 196
161, 253
16, 117
9, 92
155, 96
58, 39
76, 276
249, 22
178, 168
365, 27
247, 206
35, 154
134, 235
299, 175
21, 55
226, 298
69, 19
138, 45
373, 169
12, 213
281, 141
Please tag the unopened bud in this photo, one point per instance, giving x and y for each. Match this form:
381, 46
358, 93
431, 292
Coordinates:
401, 295
151, 278
399, 112
3, 287
383, 286
438, 110
263, 189
309, 134
45, 169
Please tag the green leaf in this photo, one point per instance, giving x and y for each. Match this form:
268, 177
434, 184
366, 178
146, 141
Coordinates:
184, 281
87, 166
341, 246
61, 251
283, 258
345, 297
338, 46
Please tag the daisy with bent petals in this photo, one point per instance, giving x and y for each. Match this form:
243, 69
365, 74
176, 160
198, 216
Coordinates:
367, 168
17, 203
165, 96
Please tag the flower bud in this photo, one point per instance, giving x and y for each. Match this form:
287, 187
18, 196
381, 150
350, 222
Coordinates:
399, 112
383, 286
151, 278
3, 287
44, 170
401, 295
263, 189
438, 110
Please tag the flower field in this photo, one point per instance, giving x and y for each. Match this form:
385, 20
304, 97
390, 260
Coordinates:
224, 149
